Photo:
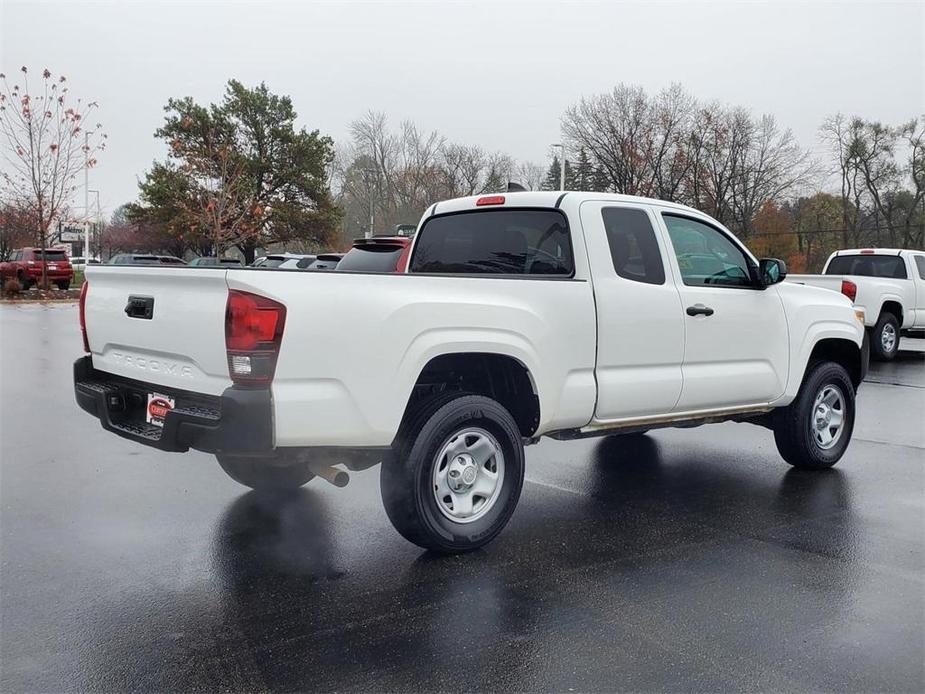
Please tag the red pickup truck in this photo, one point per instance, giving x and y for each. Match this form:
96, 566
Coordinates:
26, 265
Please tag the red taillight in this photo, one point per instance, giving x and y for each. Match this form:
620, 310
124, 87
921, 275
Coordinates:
253, 334
84, 288
490, 200
849, 289
868, 251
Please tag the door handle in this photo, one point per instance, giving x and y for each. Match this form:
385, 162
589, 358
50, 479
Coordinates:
699, 310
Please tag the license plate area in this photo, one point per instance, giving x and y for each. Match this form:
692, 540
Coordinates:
158, 407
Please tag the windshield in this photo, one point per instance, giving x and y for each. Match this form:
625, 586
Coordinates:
371, 258
505, 242
868, 265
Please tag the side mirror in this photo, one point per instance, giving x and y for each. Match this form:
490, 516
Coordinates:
771, 271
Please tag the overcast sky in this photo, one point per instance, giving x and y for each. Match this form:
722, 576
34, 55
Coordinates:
494, 74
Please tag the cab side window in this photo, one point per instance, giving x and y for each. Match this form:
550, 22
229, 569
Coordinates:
706, 257
633, 247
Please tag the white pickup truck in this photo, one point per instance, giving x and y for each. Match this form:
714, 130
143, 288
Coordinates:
519, 316
887, 283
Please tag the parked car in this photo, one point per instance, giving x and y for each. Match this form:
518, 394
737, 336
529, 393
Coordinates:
284, 260
78, 261
405, 229
522, 315
377, 254
25, 265
297, 262
144, 259
215, 262
887, 283
326, 261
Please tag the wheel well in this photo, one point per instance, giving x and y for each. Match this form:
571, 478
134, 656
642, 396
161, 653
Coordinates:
893, 307
843, 352
496, 376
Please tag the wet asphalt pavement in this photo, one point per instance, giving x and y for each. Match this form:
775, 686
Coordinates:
683, 560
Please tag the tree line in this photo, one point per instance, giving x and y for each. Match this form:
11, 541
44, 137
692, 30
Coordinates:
242, 174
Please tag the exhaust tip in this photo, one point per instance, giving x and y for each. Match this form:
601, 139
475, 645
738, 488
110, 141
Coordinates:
339, 478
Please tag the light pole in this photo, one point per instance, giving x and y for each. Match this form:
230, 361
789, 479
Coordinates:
561, 164
86, 196
372, 199
99, 219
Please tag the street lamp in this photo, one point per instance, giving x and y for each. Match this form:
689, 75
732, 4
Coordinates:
367, 172
99, 215
561, 164
86, 196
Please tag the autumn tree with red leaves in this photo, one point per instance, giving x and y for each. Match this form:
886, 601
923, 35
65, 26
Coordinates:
45, 144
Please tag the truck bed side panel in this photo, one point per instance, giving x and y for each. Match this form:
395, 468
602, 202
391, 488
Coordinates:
354, 345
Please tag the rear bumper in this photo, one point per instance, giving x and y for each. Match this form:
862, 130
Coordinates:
53, 275
238, 421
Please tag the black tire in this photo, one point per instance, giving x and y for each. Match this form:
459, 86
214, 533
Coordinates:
407, 483
65, 285
266, 474
23, 282
884, 337
795, 430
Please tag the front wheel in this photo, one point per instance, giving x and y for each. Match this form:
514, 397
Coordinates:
276, 473
815, 429
456, 475
884, 337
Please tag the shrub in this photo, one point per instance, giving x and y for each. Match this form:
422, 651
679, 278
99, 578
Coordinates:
11, 287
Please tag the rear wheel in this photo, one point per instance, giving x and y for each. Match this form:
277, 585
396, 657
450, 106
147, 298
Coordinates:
64, 284
884, 337
815, 429
276, 473
456, 475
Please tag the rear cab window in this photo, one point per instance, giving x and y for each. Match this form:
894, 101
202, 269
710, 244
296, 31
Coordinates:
518, 242
633, 247
868, 265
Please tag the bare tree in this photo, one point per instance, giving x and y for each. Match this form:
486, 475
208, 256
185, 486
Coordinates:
530, 175
773, 166
45, 145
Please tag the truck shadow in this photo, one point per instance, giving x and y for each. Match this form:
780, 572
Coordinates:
272, 539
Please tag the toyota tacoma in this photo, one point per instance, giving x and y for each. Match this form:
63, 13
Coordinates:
518, 316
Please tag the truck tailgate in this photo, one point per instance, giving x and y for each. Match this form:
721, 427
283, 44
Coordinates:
175, 335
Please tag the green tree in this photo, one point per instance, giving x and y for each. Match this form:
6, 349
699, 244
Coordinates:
240, 173
554, 173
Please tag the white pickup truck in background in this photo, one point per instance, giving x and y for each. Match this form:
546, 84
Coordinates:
519, 316
888, 284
